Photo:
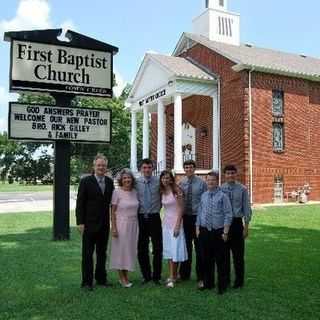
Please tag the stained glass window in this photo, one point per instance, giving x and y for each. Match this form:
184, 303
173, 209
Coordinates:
277, 102
278, 136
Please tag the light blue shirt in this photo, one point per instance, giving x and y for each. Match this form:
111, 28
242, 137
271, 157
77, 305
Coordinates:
198, 188
154, 203
239, 199
215, 205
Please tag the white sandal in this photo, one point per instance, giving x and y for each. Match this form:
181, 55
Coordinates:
126, 285
170, 284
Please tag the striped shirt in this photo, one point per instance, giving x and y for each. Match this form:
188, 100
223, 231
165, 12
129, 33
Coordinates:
215, 210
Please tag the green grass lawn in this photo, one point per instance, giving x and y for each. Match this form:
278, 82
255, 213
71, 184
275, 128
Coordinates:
39, 278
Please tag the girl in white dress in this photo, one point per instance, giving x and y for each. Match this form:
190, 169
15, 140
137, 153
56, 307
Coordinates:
174, 244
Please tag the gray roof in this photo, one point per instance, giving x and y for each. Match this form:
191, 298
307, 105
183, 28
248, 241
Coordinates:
181, 67
265, 60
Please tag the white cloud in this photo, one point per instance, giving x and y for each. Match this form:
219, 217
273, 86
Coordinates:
121, 83
32, 14
68, 25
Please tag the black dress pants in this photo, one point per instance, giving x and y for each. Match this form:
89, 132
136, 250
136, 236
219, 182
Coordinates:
213, 250
150, 228
189, 225
235, 246
94, 241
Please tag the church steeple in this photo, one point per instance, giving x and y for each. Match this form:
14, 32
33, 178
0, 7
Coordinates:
217, 23
216, 4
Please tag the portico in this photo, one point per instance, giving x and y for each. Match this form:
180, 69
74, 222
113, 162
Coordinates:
163, 82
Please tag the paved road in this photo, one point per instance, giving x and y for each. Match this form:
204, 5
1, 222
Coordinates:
29, 201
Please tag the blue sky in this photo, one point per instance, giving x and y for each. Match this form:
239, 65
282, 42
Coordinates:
137, 26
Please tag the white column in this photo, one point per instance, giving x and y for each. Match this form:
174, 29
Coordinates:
161, 144
178, 163
145, 133
216, 132
133, 164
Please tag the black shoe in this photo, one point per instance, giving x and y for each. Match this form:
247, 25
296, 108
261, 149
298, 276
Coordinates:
145, 281
87, 287
203, 288
237, 286
104, 284
157, 282
221, 291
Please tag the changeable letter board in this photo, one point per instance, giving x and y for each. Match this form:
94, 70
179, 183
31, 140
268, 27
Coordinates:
50, 123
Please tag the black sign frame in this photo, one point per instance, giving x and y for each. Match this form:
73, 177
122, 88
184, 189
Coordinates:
77, 41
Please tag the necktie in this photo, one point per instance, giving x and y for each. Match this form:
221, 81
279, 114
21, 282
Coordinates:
209, 215
102, 184
189, 197
147, 197
230, 194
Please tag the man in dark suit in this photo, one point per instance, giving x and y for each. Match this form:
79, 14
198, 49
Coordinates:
93, 220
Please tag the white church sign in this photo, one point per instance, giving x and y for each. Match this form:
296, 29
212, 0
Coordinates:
46, 67
49, 123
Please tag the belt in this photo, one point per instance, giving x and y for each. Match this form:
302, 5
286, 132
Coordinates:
149, 214
212, 230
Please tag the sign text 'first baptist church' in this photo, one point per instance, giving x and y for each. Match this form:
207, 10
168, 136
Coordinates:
45, 67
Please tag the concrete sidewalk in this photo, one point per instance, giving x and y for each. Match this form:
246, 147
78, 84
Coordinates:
31, 202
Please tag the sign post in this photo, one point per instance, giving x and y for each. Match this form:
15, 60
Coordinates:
61, 187
81, 66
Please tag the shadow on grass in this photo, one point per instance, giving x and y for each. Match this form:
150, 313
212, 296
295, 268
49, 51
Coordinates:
40, 280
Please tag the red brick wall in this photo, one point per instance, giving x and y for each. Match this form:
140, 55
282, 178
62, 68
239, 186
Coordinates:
196, 110
233, 113
300, 161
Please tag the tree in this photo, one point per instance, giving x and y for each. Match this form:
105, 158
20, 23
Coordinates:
22, 160
8, 152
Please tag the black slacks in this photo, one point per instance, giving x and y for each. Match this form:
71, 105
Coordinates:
150, 227
189, 225
213, 251
94, 241
235, 246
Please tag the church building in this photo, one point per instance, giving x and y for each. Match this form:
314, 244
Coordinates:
218, 101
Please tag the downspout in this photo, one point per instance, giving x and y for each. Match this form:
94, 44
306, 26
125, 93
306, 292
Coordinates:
219, 117
250, 137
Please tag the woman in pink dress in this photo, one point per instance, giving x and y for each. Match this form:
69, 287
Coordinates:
174, 244
124, 218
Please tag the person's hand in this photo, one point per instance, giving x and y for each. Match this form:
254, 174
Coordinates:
224, 237
176, 231
81, 228
114, 233
197, 232
245, 232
